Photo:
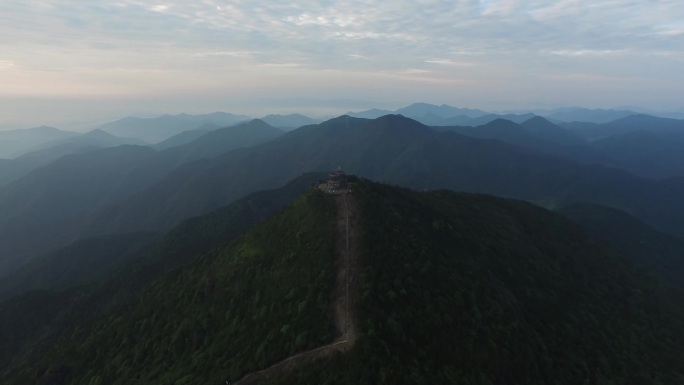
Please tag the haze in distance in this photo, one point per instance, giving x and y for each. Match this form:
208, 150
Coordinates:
74, 64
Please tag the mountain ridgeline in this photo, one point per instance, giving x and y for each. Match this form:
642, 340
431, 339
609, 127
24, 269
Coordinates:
134, 189
454, 288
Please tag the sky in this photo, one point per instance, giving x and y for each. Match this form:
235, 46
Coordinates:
76, 62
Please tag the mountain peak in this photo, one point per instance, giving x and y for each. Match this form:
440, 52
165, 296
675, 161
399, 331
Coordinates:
98, 133
538, 122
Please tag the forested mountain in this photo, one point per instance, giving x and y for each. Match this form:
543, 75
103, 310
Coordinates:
220, 141
646, 146
662, 254
401, 151
157, 190
52, 203
647, 153
45, 153
86, 261
289, 257
454, 288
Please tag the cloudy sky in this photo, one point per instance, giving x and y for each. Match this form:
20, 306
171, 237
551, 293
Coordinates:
64, 62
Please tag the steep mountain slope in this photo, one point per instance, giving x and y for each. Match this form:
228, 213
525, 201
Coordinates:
539, 135
646, 153
198, 323
37, 211
661, 253
456, 288
82, 262
86, 261
51, 203
45, 153
220, 141
553, 133
471, 289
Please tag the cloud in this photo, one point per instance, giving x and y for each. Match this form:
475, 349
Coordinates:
448, 62
6, 64
183, 41
586, 52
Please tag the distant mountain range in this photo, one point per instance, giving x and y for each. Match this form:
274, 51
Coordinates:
16, 142
94, 191
157, 129
444, 115
43, 153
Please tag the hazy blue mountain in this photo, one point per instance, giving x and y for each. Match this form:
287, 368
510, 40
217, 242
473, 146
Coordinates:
499, 129
14, 143
370, 114
428, 114
289, 122
593, 131
46, 153
535, 133
661, 253
484, 119
578, 114
418, 110
93, 259
186, 137
646, 153
37, 211
157, 129
222, 140
398, 150
51, 202
550, 132
157, 195
90, 140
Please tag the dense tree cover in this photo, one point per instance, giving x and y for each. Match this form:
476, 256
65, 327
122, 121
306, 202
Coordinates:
472, 289
456, 288
80, 263
95, 259
661, 253
232, 310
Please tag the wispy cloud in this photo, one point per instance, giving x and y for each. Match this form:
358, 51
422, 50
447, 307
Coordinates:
512, 41
448, 62
6, 64
586, 52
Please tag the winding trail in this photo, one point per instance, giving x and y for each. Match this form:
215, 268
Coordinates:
346, 288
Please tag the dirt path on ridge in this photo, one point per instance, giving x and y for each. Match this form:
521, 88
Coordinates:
347, 287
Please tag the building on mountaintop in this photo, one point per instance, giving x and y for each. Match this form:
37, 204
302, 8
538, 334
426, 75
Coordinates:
337, 180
